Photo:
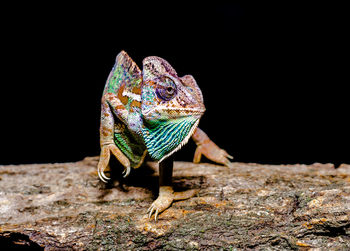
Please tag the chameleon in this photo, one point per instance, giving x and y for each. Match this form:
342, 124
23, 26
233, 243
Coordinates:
152, 113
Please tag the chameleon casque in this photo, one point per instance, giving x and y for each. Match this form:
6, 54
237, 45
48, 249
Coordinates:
152, 112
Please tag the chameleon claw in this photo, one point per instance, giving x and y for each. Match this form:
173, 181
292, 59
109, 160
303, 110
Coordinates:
150, 213
126, 172
103, 163
104, 176
229, 164
156, 215
151, 209
101, 175
229, 156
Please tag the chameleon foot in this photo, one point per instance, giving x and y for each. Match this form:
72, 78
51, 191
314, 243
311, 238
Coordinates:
210, 150
104, 160
164, 200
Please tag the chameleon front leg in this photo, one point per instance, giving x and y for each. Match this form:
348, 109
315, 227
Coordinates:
209, 149
166, 193
107, 143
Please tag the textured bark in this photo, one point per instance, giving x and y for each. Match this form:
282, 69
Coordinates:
248, 206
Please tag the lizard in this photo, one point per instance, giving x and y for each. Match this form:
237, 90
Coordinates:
153, 113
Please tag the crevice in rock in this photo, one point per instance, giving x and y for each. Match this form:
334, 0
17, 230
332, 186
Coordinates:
17, 241
329, 231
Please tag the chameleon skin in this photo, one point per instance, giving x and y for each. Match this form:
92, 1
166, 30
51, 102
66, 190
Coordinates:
152, 112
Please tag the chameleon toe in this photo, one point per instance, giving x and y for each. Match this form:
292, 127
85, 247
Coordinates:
156, 215
126, 172
229, 156
150, 210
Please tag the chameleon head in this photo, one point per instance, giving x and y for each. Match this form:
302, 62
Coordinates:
171, 107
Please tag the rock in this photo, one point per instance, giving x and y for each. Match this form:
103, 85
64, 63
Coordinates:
248, 206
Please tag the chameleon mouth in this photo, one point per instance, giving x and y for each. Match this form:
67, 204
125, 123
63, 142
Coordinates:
176, 111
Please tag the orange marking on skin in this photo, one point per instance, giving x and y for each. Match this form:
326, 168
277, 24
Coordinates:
122, 98
136, 90
106, 129
118, 107
133, 104
105, 105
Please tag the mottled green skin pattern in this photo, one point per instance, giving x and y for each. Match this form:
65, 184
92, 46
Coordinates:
122, 75
130, 144
128, 120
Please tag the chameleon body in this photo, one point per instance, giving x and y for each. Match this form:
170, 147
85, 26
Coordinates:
152, 112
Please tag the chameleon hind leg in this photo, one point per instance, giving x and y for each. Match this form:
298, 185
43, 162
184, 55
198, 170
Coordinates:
166, 193
209, 149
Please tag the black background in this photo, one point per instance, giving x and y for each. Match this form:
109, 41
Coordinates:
271, 76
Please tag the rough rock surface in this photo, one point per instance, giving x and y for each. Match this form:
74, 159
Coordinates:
248, 206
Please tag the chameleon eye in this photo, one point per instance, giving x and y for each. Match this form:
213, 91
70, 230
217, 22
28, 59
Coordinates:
166, 89
170, 90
